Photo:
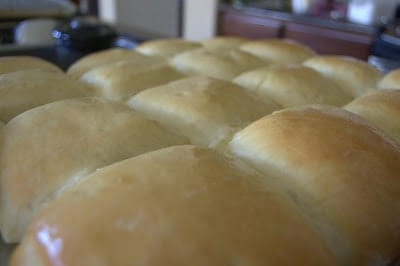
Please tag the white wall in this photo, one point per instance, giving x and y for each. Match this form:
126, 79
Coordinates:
199, 19
161, 17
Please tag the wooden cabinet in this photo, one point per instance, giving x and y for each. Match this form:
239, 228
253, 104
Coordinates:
322, 38
240, 24
329, 41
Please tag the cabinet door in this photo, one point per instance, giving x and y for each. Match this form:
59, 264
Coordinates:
330, 41
239, 24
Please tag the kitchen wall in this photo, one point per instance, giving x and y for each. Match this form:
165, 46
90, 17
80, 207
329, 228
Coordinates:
162, 18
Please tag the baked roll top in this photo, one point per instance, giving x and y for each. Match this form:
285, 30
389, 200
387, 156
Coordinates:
390, 80
26, 89
107, 57
224, 43
166, 48
15, 63
178, 206
206, 110
223, 64
381, 108
48, 149
340, 171
121, 80
278, 51
353, 75
293, 85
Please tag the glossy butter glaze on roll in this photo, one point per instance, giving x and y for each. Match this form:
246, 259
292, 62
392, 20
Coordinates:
381, 108
223, 64
177, 206
293, 85
26, 89
121, 80
340, 170
390, 80
278, 51
166, 48
49, 148
206, 110
10, 64
353, 75
107, 57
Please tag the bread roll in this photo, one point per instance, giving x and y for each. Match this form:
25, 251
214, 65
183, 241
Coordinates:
341, 171
293, 85
381, 108
278, 51
206, 110
121, 80
225, 64
224, 43
49, 148
110, 56
177, 206
15, 63
25, 89
390, 80
355, 76
166, 48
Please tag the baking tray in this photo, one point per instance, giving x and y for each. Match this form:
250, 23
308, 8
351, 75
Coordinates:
5, 252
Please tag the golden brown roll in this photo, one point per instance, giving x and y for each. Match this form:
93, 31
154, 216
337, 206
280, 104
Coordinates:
381, 108
355, 76
15, 63
166, 48
121, 80
206, 110
224, 42
177, 206
390, 80
110, 56
278, 51
50, 148
224, 64
340, 171
25, 89
293, 85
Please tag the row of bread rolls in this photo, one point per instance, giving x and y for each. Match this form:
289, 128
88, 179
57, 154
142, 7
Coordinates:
331, 173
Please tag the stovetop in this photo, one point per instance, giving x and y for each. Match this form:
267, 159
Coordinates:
60, 56
60, 53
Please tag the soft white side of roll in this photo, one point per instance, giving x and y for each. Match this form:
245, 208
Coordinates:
25, 89
353, 75
206, 110
224, 64
48, 149
178, 206
381, 108
121, 80
293, 85
340, 170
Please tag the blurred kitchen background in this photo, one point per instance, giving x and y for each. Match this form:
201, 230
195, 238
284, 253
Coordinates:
62, 30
